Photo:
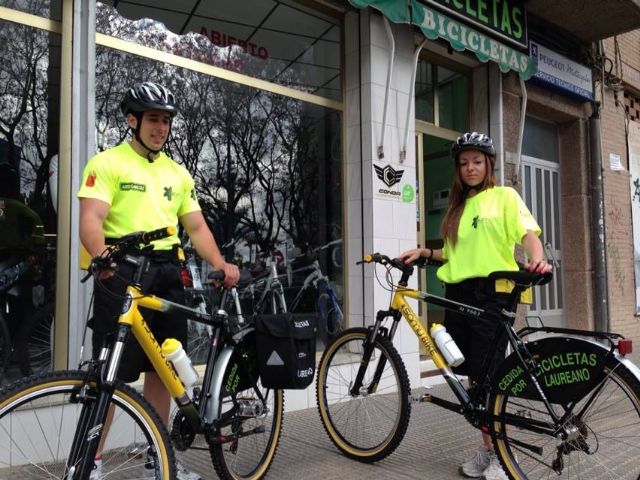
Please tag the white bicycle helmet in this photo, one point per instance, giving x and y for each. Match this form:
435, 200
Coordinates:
148, 96
473, 141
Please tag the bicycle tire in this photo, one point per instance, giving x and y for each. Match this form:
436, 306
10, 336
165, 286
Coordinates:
37, 418
367, 435
5, 348
33, 354
607, 443
248, 457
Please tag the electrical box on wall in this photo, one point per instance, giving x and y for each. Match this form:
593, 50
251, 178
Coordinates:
441, 198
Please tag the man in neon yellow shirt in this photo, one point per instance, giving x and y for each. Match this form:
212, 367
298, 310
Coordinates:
482, 225
134, 187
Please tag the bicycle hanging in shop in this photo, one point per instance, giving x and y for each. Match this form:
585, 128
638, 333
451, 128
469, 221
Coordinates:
565, 406
51, 424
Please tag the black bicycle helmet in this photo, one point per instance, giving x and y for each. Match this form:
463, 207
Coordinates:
473, 141
148, 96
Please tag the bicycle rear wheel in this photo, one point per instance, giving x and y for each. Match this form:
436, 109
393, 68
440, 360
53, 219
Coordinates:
253, 428
38, 419
606, 443
367, 426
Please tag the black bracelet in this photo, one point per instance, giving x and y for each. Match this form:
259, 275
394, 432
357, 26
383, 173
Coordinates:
430, 254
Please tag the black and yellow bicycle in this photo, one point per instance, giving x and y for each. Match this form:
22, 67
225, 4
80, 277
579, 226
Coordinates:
51, 424
565, 406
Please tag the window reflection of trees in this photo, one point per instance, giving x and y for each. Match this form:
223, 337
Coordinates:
29, 111
267, 167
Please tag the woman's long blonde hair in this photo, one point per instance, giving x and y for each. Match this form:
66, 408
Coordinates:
457, 197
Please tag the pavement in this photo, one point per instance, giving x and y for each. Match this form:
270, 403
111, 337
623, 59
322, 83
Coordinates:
436, 443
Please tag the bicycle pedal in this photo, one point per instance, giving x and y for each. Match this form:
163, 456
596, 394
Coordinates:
420, 398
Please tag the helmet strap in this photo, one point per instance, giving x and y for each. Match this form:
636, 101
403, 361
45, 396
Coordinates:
136, 134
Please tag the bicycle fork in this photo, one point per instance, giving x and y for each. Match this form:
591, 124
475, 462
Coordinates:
95, 407
368, 347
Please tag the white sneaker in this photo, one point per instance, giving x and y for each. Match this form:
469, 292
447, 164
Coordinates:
494, 471
476, 466
184, 473
96, 473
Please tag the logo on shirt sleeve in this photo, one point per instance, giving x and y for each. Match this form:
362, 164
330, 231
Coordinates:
91, 179
131, 186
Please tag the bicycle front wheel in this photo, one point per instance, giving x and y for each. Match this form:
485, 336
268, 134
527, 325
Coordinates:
250, 427
38, 420
369, 425
606, 433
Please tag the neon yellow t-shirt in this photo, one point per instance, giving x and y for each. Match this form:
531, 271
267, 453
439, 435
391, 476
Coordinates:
492, 223
143, 196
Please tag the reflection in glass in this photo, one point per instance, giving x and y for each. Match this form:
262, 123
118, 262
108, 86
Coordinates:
445, 101
28, 143
424, 92
43, 8
267, 168
289, 45
453, 99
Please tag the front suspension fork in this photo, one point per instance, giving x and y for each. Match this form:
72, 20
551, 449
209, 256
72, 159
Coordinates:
368, 347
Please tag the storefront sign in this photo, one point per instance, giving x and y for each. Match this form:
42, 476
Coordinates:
505, 19
388, 182
461, 37
562, 73
223, 40
436, 25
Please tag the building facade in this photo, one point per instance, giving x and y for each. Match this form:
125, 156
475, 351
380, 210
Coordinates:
319, 130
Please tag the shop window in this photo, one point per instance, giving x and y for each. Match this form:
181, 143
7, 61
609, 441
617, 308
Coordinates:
445, 101
284, 43
51, 9
29, 118
268, 168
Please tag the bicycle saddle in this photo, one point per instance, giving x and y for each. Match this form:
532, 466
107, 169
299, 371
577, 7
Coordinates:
524, 277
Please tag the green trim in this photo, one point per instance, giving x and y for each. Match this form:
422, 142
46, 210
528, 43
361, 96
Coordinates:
460, 36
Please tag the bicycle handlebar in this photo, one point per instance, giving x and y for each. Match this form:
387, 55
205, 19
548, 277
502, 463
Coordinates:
123, 245
520, 277
218, 276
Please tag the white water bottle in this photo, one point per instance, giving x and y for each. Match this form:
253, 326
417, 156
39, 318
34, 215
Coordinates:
173, 351
446, 345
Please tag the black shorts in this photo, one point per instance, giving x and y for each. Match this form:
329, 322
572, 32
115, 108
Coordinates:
475, 336
163, 279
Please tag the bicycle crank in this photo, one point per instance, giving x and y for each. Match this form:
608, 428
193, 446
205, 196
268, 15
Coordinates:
220, 439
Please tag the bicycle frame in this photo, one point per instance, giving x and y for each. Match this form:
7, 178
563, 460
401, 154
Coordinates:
468, 404
132, 321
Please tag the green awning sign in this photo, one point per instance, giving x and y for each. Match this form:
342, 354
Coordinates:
461, 37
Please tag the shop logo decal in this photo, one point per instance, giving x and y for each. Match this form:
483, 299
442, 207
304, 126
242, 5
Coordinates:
388, 175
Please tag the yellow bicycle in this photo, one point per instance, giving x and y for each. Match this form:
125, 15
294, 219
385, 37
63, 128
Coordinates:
565, 406
51, 424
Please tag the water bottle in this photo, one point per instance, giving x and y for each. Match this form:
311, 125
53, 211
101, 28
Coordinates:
173, 351
448, 348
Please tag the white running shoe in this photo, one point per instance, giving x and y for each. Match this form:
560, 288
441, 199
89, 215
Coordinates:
476, 466
184, 473
96, 473
494, 471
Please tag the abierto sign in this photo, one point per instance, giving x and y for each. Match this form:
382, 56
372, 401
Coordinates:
562, 73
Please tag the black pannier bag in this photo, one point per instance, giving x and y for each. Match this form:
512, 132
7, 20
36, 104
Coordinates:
286, 345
